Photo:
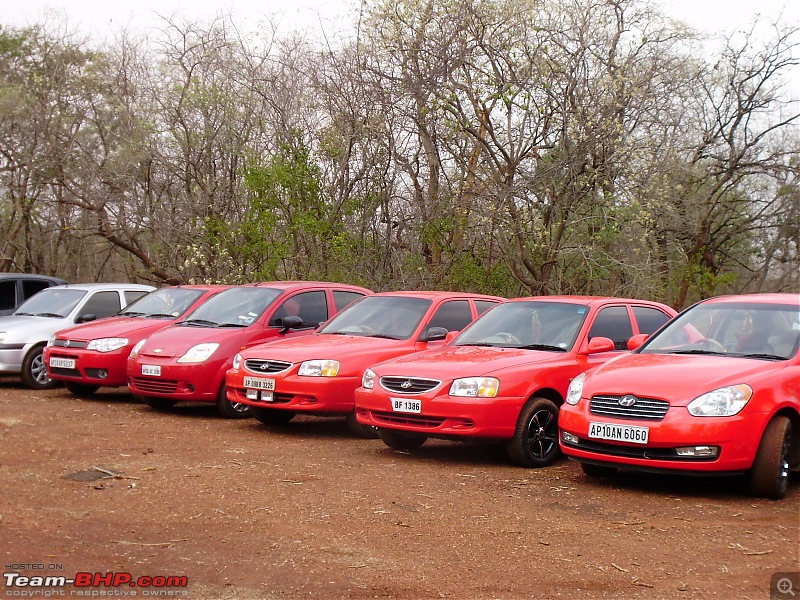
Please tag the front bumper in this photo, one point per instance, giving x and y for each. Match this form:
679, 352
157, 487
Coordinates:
198, 382
320, 395
95, 368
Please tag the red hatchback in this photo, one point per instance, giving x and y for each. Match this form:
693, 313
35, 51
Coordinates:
717, 391
505, 377
188, 361
318, 374
89, 356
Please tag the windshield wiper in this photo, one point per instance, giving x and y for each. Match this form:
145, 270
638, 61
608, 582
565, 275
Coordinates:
384, 336
130, 313
47, 314
231, 325
156, 315
760, 355
698, 351
481, 345
199, 323
542, 347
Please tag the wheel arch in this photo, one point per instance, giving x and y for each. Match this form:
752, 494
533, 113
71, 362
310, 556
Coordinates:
548, 394
794, 450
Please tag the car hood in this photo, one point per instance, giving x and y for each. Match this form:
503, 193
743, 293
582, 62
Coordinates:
175, 340
678, 378
344, 348
457, 361
19, 329
113, 327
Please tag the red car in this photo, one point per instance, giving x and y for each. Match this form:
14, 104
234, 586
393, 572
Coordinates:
188, 360
717, 391
318, 374
89, 356
504, 378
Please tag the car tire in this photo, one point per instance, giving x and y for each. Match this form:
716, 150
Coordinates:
156, 403
598, 470
535, 441
769, 476
81, 390
271, 416
365, 431
231, 410
401, 440
34, 371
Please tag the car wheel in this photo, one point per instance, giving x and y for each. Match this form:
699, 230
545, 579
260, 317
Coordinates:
34, 372
271, 416
359, 429
535, 441
156, 403
81, 390
598, 470
769, 476
231, 410
401, 440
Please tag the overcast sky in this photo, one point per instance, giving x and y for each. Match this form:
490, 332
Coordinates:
95, 17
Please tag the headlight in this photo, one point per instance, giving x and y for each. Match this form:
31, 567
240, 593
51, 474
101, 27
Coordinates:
575, 390
50, 342
237, 361
107, 344
476, 387
319, 368
135, 350
198, 353
368, 379
724, 402
2, 336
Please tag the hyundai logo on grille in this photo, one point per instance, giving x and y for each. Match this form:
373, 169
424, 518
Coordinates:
628, 400
406, 384
264, 367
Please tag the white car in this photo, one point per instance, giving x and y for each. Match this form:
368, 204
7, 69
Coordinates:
24, 334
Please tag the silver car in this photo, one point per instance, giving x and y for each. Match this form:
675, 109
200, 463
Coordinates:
24, 334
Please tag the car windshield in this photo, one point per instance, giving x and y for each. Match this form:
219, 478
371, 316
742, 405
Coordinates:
393, 317
234, 307
164, 302
742, 329
537, 325
51, 302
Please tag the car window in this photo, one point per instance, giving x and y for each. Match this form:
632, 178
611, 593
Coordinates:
649, 319
311, 307
101, 304
394, 317
133, 295
613, 323
342, 298
453, 315
8, 294
234, 307
52, 301
170, 301
483, 305
32, 286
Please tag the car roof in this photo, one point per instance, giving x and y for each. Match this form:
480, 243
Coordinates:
433, 294
30, 276
92, 287
769, 298
588, 300
296, 285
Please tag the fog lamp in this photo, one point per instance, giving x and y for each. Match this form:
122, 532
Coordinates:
569, 438
698, 451
251, 394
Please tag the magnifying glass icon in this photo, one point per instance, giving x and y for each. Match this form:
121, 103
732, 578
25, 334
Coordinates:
785, 586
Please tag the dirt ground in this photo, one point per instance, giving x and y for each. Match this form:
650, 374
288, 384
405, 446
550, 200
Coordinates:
307, 511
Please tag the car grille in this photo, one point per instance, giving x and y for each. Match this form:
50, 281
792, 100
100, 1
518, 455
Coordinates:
644, 409
160, 386
408, 385
406, 419
258, 365
69, 343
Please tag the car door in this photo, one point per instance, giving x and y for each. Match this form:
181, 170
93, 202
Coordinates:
99, 305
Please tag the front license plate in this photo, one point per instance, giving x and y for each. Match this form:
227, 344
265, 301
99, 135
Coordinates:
62, 363
618, 433
258, 383
407, 406
153, 370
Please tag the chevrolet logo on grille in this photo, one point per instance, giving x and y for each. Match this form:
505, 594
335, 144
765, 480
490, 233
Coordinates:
628, 400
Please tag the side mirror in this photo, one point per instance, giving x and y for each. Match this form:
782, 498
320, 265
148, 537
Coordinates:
86, 318
637, 341
599, 344
290, 322
434, 334
451, 335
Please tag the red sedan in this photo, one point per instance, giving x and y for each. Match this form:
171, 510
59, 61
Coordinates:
318, 374
95, 354
505, 377
717, 391
188, 361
